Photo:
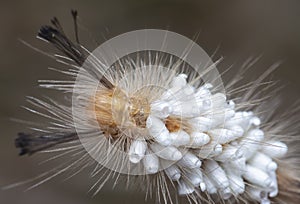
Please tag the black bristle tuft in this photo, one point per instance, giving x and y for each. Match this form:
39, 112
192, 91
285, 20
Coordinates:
56, 36
30, 143
22, 142
47, 33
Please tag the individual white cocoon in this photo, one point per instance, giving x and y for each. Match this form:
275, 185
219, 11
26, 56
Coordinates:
186, 109
204, 104
237, 130
274, 149
158, 130
151, 163
198, 139
201, 124
216, 173
179, 81
240, 118
173, 172
168, 153
236, 182
274, 185
179, 94
226, 193
179, 138
188, 91
218, 117
257, 176
210, 186
209, 150
237, 166
257, 194
229, 153
137, 150
185, 188
231, 104
218, 100
189, 160
251, 142
263, 162
255, 121
195, 177
224, 136
161, 109
203, 92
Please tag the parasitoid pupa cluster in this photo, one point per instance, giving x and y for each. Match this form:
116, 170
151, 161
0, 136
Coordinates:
153, 121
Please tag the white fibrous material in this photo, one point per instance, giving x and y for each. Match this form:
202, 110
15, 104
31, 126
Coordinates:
216, 149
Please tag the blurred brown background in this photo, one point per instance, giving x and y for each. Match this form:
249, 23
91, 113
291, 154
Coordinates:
240, 28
